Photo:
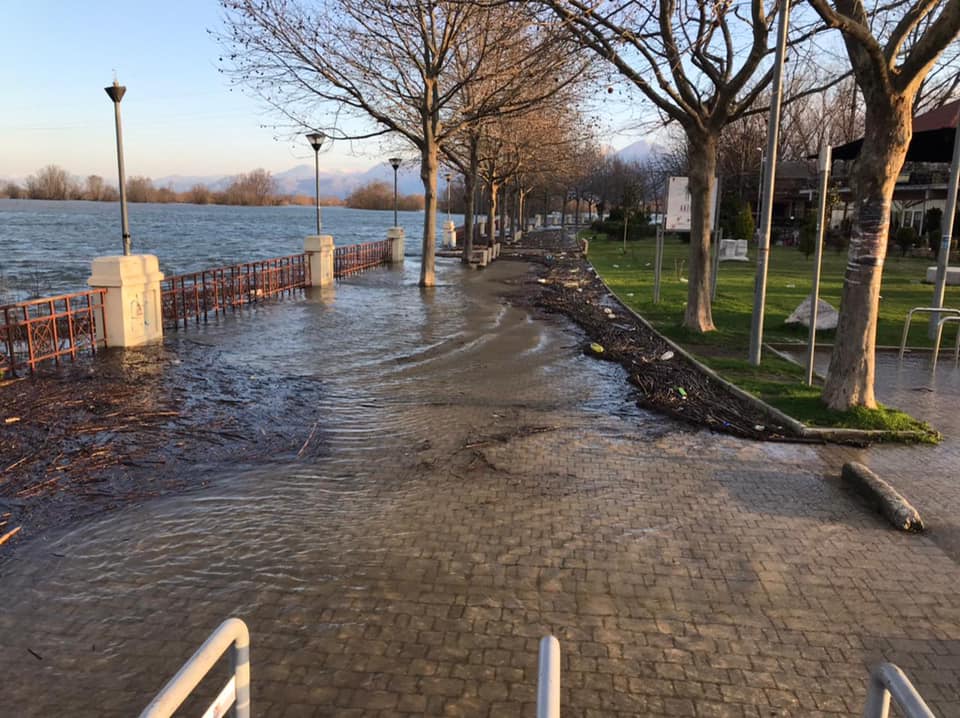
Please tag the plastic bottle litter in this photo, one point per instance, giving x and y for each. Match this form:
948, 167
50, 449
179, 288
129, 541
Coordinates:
682, 392
596, 349
666, 356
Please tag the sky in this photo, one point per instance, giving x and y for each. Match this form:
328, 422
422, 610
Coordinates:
180, 115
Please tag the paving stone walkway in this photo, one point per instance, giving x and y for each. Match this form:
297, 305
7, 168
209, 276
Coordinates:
486, 485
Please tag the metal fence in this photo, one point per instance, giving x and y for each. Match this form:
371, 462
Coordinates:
354, 258
51, 328
214, 291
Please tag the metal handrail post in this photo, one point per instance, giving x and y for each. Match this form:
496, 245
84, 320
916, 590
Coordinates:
548, 682
939, 337
232, 633
906, 324
887, 680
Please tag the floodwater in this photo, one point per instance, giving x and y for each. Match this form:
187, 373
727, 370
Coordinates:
406, 378
46, 247
482, 483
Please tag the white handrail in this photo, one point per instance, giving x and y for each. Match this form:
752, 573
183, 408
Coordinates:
929, 310
548, 682
231, 634
886, 680
939, 337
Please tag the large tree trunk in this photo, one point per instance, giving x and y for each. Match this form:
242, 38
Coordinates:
703, 166
507, 201
521, 211
469, 183
886, 139
494, 193
429, 167
469, 190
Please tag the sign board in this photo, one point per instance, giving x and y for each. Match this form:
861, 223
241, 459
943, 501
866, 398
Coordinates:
678, 205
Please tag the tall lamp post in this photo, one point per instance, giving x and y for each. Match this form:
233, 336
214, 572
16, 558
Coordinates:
769, 178
316, 142
449, 178
116, 92
395, 163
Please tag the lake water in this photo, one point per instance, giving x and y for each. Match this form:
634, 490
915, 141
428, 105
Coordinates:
46, 247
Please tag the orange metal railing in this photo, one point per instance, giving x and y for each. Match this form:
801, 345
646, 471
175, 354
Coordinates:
50, 328
353, 258
212, 291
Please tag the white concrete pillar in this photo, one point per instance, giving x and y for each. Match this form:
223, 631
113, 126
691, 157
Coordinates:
319, 251
132, 313
450, 235
397, 239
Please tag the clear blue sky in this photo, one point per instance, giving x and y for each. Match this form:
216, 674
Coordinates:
180, 116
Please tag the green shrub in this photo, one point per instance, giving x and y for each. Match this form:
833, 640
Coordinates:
905, 238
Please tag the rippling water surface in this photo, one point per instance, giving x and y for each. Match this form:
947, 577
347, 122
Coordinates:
46, 247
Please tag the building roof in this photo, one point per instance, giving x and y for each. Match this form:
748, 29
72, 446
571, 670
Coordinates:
933, 134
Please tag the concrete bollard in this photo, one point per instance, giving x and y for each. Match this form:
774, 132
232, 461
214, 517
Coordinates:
450, 235
319, 251
395, 235
132, 312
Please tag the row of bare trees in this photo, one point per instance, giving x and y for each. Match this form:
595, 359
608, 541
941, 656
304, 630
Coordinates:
491, 88
256, 188
379, 195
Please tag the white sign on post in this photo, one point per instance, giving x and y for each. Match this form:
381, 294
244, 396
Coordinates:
678, 205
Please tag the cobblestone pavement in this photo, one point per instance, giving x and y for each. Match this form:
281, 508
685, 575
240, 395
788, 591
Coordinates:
488, 484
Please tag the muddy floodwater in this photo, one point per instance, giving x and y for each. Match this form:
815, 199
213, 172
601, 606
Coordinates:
455, 479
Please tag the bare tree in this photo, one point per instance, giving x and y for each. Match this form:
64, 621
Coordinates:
533, 64
254, 188
51, 182
140, 189
699, 63
889, 74
198, 194
384, 63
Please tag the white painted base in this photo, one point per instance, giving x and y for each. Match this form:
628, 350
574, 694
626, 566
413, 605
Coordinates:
449, 235
132, 314
397, 241
319, 251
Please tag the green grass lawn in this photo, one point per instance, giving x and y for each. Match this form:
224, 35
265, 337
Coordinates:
781, 383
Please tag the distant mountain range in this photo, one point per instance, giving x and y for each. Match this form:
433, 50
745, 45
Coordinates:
340, 183
301, 180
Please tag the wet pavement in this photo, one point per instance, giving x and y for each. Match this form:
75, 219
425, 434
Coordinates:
481, 484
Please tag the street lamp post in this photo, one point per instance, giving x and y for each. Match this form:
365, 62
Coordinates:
316, 141
759, 187
395, 163
449, 178
116, 92
769, 178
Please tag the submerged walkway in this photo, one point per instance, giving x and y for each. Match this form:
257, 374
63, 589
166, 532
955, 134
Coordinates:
485, 484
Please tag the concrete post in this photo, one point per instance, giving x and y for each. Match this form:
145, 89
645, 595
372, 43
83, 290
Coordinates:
131, 308
395, 235
450, 235
319, 251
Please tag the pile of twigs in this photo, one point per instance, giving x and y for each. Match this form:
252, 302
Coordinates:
103, 433
667, 381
